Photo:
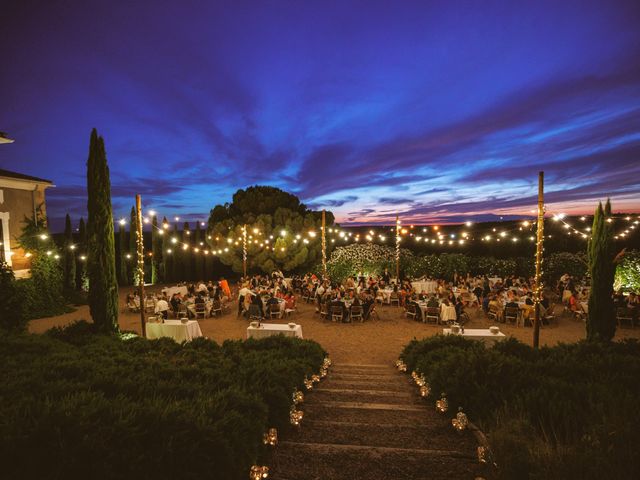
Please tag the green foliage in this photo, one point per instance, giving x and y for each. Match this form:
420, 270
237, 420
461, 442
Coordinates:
101, 261
367, 259
133, 248
69, 257
557, 264
627, 275
268, 210
140, 408
82, 281
563, 412
198, 259
601, 322
123, 277
12, 317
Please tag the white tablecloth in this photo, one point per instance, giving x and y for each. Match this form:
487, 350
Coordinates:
268, 329
386, 293
493, 280
427, 286
481, 334
448, 313
169, 291
175, 329
585, 306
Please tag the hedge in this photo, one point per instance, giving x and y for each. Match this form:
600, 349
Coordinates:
569, 411
77, 404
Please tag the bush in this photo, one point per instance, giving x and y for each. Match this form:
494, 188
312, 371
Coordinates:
628, 272
84, 402
563, 412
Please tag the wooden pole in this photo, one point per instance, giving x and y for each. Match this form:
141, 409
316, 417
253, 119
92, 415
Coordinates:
140, 266
244, 251
324, 244
398, 249
539, 249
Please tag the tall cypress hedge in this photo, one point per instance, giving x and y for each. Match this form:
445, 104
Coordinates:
101, 261
156, 248
601, 322
81, 265
198, 257
69, 256
122, 259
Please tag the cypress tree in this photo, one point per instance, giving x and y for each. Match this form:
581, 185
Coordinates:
177, 256
69, 270
132, 254
198, 257
101, 262
167, 258
187, 258
81, 266
601, 321
156, 248
122, 260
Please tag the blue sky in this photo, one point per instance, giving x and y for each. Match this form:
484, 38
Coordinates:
438, 111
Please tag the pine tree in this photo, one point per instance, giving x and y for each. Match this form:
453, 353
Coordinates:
69, 257
156, 248
601, 322
198, 257
82, 282
122, 260
101, 262
132, 254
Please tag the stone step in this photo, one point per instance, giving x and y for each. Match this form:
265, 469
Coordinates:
331, 382
420, 436
363, 365
313, 461
350, 412
365, 376
364, 370
325, 395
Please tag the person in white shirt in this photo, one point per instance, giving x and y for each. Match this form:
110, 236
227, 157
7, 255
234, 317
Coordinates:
202, 288
162, 308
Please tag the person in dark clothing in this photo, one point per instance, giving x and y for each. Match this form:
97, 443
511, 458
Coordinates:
257, 301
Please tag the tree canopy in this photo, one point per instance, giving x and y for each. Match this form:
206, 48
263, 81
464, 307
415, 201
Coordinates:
274, 219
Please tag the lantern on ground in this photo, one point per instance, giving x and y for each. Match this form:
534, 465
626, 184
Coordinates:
461, 421
271, 437
442, 405
258, 472
298, 397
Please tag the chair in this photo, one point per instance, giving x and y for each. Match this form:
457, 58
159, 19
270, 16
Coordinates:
254, 312
216, 307
336, 313
132, 307
547, 316
149, 305
306, 295
493, 313
624, 314
201, 310
274, 310
511, 314
394, 298
356, 313
182, 311
411, 311
433, 313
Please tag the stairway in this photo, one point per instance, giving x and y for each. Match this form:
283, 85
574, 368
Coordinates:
368, 421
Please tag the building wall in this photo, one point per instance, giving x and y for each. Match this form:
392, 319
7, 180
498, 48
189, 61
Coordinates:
16, 204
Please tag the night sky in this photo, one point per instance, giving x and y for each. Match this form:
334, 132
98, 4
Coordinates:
435, 110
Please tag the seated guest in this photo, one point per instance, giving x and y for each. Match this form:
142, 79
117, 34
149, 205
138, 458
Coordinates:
162, 308
433, 302
257, 301
175, 303
413, 301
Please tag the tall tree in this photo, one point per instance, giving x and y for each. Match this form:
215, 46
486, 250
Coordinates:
177, 270
199, 257
156, 248
101, 262
81, 270
122, 259
187, 258
132, 254
167, 258
69, 256
601, 322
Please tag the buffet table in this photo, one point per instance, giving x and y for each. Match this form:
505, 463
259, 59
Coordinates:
175, 329
426, 286
269, 329
481, 334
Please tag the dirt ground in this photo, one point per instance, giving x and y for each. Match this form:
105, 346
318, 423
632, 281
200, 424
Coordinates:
372, 342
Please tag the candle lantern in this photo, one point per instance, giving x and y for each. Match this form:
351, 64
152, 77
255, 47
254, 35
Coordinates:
315, 378
461, 421
323, 372
271, 437
258, 472
295, 416
298, 397
442, 405
421, 381
425, 391
483, 454
308, 383
414, 375
326, 362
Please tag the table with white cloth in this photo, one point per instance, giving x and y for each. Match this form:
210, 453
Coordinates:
269, 329
494, 280
481, 334
170, 291
175, 329
386, 294
585, 306
426, 286
448, 313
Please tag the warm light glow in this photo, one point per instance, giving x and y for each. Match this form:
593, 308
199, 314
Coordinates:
122, 221
44, 236
468, 224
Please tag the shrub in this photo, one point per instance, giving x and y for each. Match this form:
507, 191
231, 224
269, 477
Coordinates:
628, 272
80, 402
564, 412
